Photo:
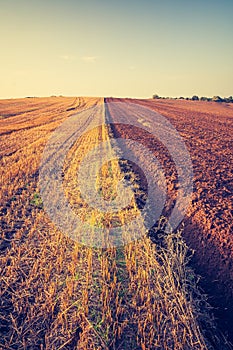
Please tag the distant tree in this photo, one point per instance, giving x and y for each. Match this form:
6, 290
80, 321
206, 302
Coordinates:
203, 98
217, 99
229, 99
155, 96
181, 98
195, 98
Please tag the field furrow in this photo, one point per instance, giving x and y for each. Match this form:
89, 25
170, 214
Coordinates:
207, 132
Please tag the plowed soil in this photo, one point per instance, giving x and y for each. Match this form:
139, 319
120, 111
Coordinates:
207, 129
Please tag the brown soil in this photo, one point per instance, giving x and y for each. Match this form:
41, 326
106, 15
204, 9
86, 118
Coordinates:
207, 128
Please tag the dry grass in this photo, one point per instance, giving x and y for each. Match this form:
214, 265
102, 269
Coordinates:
57, 294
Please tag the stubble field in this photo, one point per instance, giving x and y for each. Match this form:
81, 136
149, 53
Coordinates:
57, 293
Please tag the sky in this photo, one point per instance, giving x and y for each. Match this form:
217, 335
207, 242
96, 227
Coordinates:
121, 48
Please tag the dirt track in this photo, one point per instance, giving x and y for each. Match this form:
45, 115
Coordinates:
207, 129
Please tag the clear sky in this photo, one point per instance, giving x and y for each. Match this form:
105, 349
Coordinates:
131, 48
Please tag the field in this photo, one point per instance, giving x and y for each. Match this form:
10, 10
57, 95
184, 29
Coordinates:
207, 129
57, 291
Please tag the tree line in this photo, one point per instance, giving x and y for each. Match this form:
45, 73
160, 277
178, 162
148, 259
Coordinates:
197, 98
